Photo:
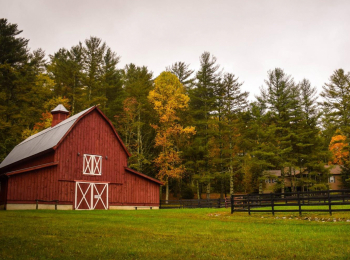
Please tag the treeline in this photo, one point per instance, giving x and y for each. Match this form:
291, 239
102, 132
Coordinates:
231, 143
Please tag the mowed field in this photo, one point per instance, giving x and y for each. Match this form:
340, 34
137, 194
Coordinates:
172, 234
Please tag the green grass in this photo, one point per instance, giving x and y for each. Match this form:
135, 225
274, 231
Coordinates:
170, 234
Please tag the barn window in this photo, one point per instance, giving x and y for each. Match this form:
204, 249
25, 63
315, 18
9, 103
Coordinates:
92, 164
331, 179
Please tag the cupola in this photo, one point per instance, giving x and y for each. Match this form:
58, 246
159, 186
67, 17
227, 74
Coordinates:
59, 114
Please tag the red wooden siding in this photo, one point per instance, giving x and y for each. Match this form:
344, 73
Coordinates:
92, 135
42, 159
140, 191
27, 187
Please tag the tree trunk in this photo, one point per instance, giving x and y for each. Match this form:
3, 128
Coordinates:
282, 184
231, 184
208, 190
139, 141
260, 187
167, 190
222, 189
198, 193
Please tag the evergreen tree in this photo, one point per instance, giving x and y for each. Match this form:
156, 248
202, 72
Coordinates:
202, 105
181, 70
279, 99
66, 69
336, 95
21, 85
138, 83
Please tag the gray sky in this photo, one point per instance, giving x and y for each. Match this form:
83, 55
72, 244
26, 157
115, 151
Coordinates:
308, 39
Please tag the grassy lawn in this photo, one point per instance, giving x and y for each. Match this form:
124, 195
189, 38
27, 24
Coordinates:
171, 234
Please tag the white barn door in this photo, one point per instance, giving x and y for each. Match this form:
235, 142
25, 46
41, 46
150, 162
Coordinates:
89, 196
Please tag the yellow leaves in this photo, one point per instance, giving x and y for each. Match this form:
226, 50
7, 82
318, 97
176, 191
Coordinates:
168, 98
190, 130
338, 147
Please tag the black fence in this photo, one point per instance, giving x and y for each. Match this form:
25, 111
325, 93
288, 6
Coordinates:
297, 201
195, 203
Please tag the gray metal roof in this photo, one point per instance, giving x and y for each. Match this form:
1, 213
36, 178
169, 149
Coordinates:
60, 107
41, 141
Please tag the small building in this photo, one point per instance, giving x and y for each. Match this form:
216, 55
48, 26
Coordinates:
272, 177
335, 179
81, 162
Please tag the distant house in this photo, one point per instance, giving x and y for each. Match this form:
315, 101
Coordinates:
273, 176
335, 179
79, 161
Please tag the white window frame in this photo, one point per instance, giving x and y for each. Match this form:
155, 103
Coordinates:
332, 179
92, 164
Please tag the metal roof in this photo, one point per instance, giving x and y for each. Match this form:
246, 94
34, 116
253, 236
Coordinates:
41, 141
60, 108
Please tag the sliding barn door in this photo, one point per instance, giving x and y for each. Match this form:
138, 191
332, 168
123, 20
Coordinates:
90, 196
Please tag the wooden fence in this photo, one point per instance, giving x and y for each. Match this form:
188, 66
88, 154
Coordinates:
297, 201
195, 203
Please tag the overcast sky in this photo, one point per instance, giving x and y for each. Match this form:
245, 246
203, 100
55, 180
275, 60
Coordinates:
308, 39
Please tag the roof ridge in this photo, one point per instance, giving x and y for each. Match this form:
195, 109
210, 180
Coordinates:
66, 121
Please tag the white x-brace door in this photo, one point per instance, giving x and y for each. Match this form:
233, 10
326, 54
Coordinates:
89, 196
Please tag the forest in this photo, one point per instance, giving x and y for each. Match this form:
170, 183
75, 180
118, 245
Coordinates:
197, 131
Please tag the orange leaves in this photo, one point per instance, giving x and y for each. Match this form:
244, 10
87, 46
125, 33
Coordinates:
338, 147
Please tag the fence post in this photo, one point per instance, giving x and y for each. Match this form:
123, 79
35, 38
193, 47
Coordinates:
219, 201
56, 204
329, 203
299, 203
248, 204
272, 204
37, 204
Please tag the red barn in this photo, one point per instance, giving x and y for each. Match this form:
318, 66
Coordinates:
79, 161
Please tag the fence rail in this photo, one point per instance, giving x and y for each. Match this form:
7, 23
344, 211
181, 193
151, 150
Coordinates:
250, 202
195, 203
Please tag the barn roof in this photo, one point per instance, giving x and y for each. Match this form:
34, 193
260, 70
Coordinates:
47, 139
144, 176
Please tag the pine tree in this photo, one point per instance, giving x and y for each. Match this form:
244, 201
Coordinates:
138, 83
336, 95
202, 104
181, 70
279, 99
66, 69
21, 84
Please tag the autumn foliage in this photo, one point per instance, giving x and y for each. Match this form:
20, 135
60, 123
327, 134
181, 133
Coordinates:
338, 147
168, 99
